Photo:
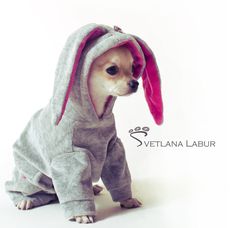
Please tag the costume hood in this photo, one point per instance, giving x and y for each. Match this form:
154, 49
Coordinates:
71, 94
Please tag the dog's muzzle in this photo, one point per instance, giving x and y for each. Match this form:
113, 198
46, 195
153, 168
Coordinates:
133, 84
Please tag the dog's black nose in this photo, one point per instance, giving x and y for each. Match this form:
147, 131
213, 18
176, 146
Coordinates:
133, 84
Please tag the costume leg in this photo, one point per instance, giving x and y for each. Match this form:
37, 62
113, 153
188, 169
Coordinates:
37, 199
20, 189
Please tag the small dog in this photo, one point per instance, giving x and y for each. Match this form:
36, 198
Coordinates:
59, 158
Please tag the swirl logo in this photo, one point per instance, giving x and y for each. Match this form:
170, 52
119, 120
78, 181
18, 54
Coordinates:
138, 132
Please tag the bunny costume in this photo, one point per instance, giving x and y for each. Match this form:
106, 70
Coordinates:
66, 146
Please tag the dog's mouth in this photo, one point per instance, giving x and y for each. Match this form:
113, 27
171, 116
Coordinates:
117, 91
127, 93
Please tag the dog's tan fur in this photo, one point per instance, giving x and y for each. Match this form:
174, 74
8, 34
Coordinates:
102, 85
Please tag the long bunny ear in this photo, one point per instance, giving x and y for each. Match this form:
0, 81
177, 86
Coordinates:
151, 83
67, 66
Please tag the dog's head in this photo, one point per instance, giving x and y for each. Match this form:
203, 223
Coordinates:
116, 59
112, 73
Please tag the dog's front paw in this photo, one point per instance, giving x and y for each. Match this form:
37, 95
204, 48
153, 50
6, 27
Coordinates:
84, 219
130, 203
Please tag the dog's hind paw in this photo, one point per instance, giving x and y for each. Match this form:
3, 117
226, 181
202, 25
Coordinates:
97, 189
25, 205
130, 203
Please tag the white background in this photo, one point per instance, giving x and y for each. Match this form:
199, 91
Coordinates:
179, 187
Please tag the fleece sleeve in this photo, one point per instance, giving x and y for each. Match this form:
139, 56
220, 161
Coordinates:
71, 176
115, 173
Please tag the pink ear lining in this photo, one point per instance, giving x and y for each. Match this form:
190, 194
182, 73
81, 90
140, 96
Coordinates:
93, 34
138, 58
152, 85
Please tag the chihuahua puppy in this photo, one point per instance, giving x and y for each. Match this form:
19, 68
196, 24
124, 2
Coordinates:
72, 142
110, 75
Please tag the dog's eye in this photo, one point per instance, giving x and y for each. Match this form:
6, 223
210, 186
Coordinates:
112, 70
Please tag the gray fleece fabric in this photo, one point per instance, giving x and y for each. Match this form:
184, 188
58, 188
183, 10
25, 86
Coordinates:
65, 145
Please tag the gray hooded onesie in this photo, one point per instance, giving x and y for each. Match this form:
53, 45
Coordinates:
66, 146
